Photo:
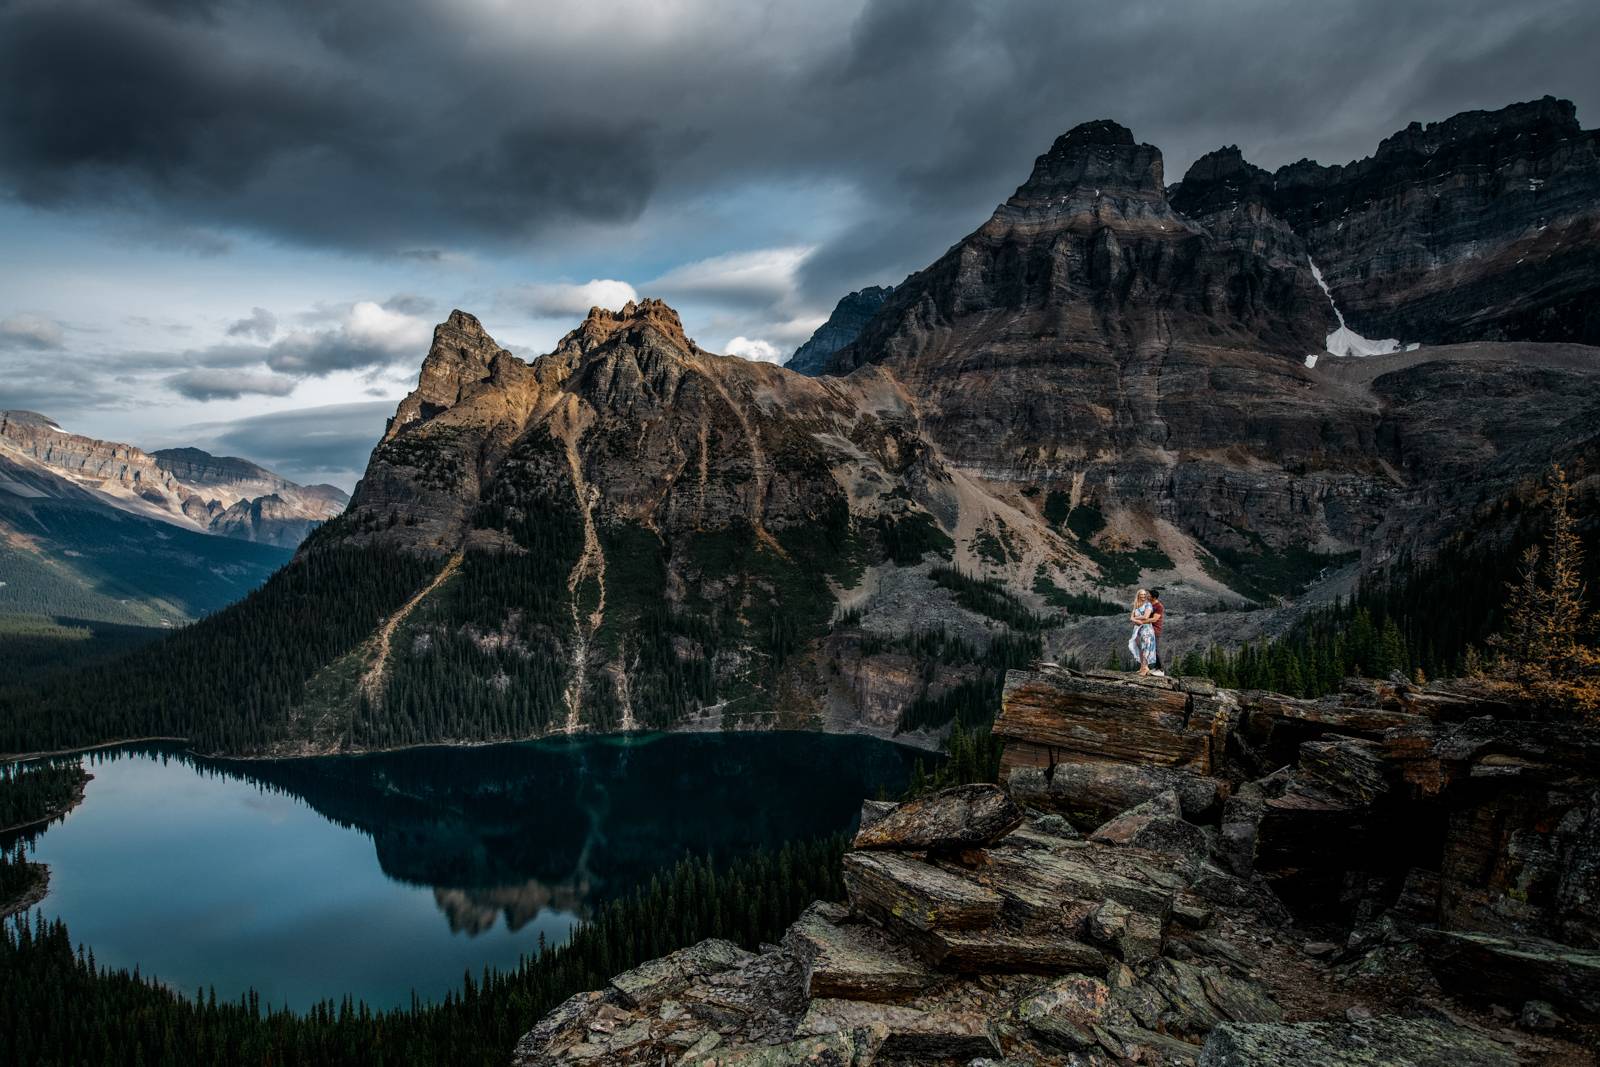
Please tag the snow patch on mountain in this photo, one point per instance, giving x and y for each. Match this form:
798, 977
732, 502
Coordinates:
1344, 341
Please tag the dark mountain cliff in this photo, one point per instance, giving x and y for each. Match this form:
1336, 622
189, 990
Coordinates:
851, 313
1482, 227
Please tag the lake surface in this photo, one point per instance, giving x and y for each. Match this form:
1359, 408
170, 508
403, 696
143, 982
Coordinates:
382, 875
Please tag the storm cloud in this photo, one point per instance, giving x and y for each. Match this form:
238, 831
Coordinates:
206, 201
427, 127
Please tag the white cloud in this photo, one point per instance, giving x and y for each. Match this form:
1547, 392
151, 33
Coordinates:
216, 384
369, 335
756, 350
764, 277
31, 331
557, 300
394, 330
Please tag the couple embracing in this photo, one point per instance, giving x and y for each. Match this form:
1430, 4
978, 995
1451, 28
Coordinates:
1145, 644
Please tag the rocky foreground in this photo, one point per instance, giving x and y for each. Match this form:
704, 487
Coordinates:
1175, 874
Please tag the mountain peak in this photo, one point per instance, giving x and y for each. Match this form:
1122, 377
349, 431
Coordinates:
1091, 160
1219, 180
850, 315
464, 323
30, 418
602, 324
1094, 132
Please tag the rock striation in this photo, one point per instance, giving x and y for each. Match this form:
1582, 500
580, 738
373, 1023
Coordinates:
1481, 227
1166, 937
1143, 350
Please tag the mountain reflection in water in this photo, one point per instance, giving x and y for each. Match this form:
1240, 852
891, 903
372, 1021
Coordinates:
568, 818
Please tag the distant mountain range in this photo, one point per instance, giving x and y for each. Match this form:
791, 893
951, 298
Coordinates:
104, 531
1112, 382
185, 486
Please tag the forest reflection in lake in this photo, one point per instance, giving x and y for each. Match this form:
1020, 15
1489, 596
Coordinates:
383, 874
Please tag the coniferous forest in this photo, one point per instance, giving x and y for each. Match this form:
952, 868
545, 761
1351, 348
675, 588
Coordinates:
32, 792
227, 682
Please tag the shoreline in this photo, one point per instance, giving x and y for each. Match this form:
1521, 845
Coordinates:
29, 757
31, 896
60, 813
917, 740
920, 742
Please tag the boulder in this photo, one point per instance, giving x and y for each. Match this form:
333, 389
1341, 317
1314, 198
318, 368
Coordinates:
873, 811
963, 817
828, 1050
995, 951
853, 960
1090, 791
659, 978
1240, 1000
903, 1033
1158, 825
1379, 1042
911, 893
1067, 1013
1514, 970
1134, 936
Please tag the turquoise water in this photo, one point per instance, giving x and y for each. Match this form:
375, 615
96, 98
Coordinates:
377, 876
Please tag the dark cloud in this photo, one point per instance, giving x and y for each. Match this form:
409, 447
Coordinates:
329, 443
428, 129
411, 304
206, 384
261, 324
101, 99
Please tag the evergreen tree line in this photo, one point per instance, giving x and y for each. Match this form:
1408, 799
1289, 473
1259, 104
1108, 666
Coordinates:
227, 682
985, 596
970, 756
17, 875
1449, 616
1550, 645
58, 1007
975, 700
30, 792
32, 646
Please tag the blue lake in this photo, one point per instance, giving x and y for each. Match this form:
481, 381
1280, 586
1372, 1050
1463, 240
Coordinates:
379, 876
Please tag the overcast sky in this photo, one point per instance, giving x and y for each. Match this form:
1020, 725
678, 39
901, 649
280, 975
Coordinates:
233, 223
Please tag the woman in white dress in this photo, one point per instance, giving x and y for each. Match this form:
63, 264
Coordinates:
1143, 642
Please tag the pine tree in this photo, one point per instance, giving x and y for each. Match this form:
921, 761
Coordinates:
1524, 615
1549, 636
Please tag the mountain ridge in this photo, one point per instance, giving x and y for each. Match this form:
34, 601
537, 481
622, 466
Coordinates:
187, 487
